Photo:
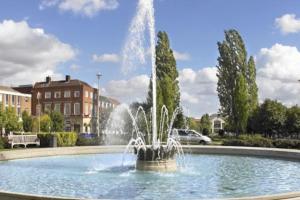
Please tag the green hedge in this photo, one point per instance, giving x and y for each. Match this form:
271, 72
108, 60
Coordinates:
287, 143
249, 141
64, 139
82, 141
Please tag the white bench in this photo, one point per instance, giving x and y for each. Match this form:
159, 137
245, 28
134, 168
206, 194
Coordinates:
23, 140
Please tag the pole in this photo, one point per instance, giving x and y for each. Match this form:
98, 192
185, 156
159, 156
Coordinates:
98, 98
38, 97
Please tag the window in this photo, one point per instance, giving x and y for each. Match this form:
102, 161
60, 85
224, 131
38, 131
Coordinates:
13, 100
86, 108
6, 99
67, 109
91, 95
47, 107
86, 94
57, 95
57, 107
67, 94
26, 99
217, 124
47, 95
76, 108
77, 94
19, 101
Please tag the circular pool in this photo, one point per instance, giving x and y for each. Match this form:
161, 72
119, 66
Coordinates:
102, 176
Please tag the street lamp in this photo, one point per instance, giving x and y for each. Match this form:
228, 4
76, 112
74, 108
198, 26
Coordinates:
98, 98
38, 96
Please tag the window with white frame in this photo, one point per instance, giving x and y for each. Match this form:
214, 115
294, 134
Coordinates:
47, 107
91, 95
86, 108
67, 94
67, 109
57, 107
57, 94
13, 100
86, 94
47, 95
76, 108
76, 94
6, 100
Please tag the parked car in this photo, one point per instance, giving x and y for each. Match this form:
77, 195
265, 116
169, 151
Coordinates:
190, 137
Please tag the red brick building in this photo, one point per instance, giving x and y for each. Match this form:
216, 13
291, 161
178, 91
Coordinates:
75, 99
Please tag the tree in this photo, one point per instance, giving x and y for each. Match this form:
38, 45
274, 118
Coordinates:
241, 105
57, 121
167, 80
205, 125
27, 121
193, 124
252, 87
2, 119
232, 63
12, 122
272, 118
293, 121
45, 123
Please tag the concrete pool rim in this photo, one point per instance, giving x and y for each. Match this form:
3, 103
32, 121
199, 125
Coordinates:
285, 154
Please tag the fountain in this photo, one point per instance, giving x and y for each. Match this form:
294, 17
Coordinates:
152, 155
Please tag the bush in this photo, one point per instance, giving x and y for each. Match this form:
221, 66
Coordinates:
287, 143
1, 143
249, 141
84, 140
64, 139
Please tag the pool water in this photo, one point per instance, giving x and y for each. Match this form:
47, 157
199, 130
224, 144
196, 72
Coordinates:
102, 176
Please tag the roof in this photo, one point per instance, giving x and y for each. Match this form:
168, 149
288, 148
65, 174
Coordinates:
216, 115
11, 91
61, 83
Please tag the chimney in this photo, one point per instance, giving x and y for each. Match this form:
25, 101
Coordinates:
48, 79
68, 78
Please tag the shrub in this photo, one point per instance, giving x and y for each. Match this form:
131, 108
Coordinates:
250, 141
64, 139
287, 143
88, 141
1, 143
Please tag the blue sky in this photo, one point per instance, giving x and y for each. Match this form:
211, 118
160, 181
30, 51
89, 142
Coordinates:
194, 27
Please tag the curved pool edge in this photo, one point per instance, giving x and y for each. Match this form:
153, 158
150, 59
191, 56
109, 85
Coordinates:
225, 150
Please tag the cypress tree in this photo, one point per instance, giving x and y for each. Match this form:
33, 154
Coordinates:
252, 87
234, 68
168, 93
241, 105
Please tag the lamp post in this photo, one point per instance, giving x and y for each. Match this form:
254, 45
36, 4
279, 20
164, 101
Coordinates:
38, 98
98, 98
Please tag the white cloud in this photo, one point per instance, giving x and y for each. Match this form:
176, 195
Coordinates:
198, 90
278, 72
83, 7
74, 67
127, 91
288, 23
181, 56
114, 58
29, 54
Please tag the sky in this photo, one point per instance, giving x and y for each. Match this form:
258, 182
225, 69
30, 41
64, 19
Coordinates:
81, 38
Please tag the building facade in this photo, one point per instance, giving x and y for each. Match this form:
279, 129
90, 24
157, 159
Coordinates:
14, 99
107, 103
75, 99
217, 123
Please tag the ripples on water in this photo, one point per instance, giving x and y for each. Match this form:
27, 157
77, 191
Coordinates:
103, 176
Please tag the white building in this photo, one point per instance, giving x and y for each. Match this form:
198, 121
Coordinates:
217, 123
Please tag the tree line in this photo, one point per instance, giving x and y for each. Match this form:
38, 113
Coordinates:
48, 122
238, 95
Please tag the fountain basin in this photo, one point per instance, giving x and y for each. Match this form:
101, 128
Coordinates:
201, 154
166, 165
